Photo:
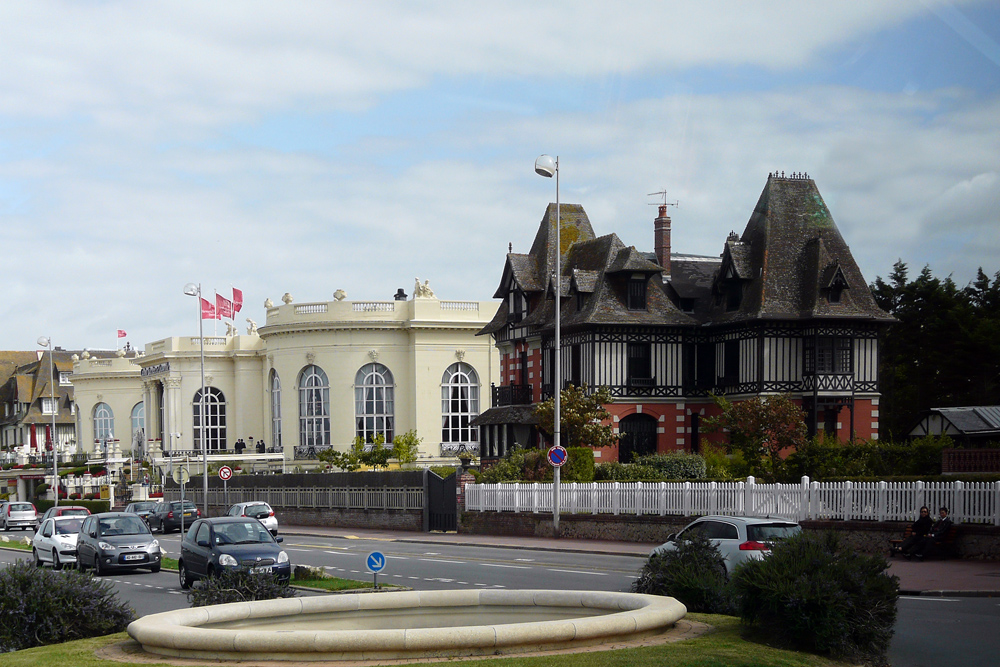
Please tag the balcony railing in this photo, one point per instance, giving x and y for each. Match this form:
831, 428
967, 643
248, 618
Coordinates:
511, 394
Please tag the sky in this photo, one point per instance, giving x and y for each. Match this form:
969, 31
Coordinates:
305, 147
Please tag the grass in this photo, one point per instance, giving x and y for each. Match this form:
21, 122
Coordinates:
725, 647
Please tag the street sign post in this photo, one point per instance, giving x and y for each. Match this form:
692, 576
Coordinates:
181, 476
225, 472
375, 563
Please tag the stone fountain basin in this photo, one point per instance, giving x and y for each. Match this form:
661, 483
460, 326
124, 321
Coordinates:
406, 625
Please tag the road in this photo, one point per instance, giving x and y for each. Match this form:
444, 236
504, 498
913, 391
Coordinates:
932, 632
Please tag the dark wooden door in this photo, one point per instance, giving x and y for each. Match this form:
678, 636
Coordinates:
636, 437
442, 503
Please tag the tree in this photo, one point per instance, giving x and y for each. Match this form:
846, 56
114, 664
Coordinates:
759, 429
406, 447
582, 416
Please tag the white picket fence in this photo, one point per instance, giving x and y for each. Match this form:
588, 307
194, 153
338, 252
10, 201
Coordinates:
969, 502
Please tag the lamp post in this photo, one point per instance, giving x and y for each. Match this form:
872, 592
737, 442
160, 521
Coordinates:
191, 289
548, 167
46, 341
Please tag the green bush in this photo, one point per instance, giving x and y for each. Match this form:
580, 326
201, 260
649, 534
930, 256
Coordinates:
94, 506
612, 471
816, 594
693, 573
824, 458
41, 607
676, 465
238, 585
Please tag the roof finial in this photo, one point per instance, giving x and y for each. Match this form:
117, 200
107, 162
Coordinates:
510, 247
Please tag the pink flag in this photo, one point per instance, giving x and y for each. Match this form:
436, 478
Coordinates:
223, 306
121, 333
237, 300
208, 310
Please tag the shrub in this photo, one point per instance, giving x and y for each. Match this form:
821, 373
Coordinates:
818, 595
676, 465
41, 607
238, 585
508, 469
612, 471
579, 465
693, 573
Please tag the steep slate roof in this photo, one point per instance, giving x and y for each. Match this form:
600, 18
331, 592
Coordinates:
785, 254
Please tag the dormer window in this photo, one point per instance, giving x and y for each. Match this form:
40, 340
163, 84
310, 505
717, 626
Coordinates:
637, 292
734, 295
517, 305
579, 301
836, 285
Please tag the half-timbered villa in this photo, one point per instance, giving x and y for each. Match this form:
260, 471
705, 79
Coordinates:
783, 309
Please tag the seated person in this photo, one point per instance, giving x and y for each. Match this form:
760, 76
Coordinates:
918, 530
936, 535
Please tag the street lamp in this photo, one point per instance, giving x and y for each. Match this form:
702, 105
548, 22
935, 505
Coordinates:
191, 289
45, 341
548, 167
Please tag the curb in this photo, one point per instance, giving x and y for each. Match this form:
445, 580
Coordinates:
950, 594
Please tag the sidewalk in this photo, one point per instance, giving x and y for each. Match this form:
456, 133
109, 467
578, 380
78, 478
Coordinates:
967, 578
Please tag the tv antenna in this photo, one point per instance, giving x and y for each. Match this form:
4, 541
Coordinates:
663, 193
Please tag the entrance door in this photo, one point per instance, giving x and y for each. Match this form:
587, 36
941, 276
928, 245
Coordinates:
442, 506
636, 437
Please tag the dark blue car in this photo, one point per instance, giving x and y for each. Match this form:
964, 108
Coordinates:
230, 542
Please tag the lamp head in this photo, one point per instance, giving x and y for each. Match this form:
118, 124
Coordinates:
546, 166
192, 290
44, 341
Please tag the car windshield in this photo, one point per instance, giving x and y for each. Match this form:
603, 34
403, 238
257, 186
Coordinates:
766, 532
188, 505
138, 507
243, 532
257, 509
74, 512
123, 525
68, 527
20, 507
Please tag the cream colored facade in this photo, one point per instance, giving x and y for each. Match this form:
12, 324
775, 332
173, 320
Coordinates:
416, 341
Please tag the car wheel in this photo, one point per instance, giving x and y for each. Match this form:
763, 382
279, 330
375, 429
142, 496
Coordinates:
38, 561
184, 577
98, 568
56, 565
154, 568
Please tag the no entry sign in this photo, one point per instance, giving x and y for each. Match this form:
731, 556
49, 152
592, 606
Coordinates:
225, 473
557, 456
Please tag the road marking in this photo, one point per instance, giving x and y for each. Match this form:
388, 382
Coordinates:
339, 553
598, 574
513, 567
432, 553
435, 560
398, 557
525, 560
928, 598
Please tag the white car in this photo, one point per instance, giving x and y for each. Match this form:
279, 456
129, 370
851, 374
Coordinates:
738, 538
258, 510
55, 541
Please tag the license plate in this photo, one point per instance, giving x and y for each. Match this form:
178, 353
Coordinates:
134, 556
263, 569
188, 513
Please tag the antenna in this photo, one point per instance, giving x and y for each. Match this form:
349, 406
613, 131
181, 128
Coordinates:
663, 193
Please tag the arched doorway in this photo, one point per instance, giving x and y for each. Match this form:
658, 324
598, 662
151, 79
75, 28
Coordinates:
636, 437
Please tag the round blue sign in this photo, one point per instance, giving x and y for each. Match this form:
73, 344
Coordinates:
375, 561
557, 456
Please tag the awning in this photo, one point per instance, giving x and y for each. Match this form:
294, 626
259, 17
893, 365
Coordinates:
507, 414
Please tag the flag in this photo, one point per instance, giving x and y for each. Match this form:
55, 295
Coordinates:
237, 300
207, 310
223, 306
121, 333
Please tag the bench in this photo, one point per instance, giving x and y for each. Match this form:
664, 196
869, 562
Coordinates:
945, 548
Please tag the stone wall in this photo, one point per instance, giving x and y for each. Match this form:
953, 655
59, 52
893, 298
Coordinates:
974, 541
371, 519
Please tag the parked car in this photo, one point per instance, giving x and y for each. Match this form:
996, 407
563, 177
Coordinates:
166, 516
115, 541
142, 507
258, 510
738, 538
230, 542
17, 514
64, 510
55, 540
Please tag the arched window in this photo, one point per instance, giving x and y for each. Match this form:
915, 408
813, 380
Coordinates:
314, 408
138, 423
275, 411
215, 419
373, 389
459, 404
104, 422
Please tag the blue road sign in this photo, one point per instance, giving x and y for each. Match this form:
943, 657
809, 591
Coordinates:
557, 455
375, 562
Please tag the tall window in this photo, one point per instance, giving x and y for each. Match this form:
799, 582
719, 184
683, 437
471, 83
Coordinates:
275, 410
828, 355
215, 419
138, 419
314, 408
49, 405
640, 366
637, 293
459, 404
373, 389
104, 422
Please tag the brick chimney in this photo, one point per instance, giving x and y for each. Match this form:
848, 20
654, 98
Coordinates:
661, 240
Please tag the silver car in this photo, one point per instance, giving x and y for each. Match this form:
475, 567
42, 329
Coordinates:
259, 510
16, 514
55, 541
738, 538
